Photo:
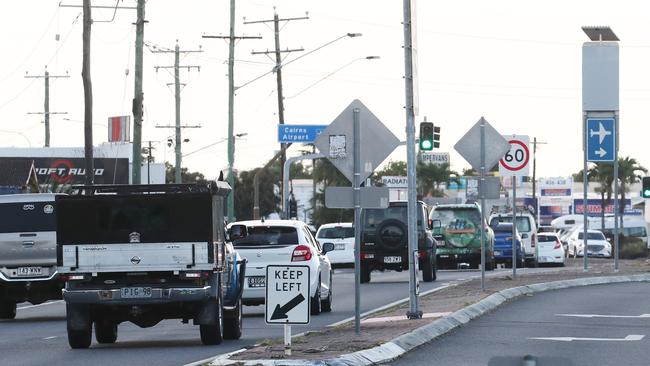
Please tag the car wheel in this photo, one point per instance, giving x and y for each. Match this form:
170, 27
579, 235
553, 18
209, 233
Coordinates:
79, 326
428, 272
211, 333
232, 322
105, 332
326, 305
365, 273
7, 310
315, 301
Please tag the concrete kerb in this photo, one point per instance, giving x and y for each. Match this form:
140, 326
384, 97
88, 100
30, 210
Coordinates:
409, 341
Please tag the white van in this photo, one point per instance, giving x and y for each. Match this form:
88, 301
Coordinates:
633, 227
526, 226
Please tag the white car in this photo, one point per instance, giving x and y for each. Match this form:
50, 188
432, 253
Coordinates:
597, 244
550, 250
342, 236
282, 242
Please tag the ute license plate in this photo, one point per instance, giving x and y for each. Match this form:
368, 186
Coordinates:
257, 281
393, 259
496, 252
29, 271
339, 246
135, 292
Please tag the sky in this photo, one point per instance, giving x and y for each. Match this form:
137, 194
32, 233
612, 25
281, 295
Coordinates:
516, 63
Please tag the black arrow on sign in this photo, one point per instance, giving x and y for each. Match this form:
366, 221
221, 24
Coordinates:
281, 312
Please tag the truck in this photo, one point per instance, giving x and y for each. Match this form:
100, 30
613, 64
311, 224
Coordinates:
28, 269
144, 253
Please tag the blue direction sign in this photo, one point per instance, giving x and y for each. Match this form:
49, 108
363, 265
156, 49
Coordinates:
299, 133
601, 139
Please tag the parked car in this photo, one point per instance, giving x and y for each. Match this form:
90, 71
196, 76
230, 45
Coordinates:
282, 242
28, 270
457, 230
597, 244
527, 229
384, 241
503, 245
342, 236
550, 249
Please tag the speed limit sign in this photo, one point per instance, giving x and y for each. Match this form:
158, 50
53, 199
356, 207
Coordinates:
515, 161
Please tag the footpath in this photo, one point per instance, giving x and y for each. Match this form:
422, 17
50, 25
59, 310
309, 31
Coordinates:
388, 334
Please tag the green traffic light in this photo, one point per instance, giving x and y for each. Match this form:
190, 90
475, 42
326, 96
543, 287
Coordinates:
426, 145
646, 193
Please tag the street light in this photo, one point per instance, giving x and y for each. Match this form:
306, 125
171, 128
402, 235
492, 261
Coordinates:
332, 73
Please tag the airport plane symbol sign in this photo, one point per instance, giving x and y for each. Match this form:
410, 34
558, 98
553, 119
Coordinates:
601, 139
287, 294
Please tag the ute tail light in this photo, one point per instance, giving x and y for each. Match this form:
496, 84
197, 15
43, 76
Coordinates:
74, 277
533, 240
367, 256
557, 244
422, 254
301, 253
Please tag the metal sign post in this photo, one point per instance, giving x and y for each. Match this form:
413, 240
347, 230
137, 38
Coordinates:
357, 221
514, 227
481, 190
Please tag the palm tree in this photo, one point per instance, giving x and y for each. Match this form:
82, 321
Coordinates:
604, 175
628, 169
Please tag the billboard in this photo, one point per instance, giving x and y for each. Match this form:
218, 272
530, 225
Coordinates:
62, 171
594, 208
555, 198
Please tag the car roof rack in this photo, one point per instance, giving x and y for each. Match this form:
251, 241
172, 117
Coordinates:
213, 187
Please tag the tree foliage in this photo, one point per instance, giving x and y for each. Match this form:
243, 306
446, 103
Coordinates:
186, 176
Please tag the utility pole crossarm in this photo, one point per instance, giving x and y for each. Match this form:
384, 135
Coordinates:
233, 38
280, 51
279, 20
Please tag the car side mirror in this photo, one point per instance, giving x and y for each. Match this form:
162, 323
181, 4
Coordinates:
328, 247
435, 224
524, 236
237, 232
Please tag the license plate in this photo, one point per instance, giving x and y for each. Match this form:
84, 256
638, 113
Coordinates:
29, 271
441, 243
256, 281
496, 252
392, 259
339, 246
135, 292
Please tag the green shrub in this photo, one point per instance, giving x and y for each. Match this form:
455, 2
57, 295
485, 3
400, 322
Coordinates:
632, 248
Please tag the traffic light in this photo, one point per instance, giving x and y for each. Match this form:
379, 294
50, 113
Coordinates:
426, 136
293, 209
436, 137
645, 191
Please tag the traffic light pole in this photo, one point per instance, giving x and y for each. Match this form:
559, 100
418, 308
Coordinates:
285, 179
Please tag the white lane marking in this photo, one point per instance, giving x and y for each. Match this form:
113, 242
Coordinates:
605, 316
47, 338
206, 360
43, 304
629, 338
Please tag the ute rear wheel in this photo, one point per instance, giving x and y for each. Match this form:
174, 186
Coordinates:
80, 330
7, 310
232, 322
105, 332
211, 333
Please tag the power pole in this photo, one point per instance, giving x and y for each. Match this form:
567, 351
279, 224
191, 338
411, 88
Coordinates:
88, 94
231, 106
278, 70
138, 95
150, 159
535, 142
46, 107
177, 95
177, 169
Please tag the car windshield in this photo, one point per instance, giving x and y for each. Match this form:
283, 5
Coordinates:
268, 235
337, 232
23, 217
592, 236
454, 216
523, 222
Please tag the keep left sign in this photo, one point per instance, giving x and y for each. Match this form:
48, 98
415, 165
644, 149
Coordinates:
287, 294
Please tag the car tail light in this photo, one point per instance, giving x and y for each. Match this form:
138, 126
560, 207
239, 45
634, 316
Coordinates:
533, 240
301, 253
367, 256
557, 244
508, 238
422, 254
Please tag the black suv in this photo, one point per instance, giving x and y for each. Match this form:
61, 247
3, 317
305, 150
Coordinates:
384, 241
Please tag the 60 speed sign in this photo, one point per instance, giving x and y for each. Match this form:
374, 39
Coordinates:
515, 161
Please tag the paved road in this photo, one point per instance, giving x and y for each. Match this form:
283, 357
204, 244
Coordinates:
38, 335
514, 331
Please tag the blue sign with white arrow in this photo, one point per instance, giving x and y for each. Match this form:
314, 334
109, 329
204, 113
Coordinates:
299, 133
601, 139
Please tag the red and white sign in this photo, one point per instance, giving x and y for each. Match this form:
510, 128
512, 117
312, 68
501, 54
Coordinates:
516, 161
119, 129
